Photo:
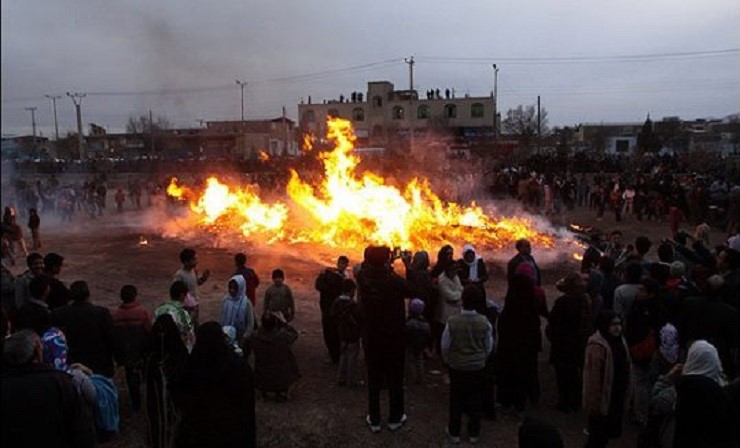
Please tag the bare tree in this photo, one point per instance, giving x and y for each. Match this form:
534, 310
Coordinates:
522, 121
141, 124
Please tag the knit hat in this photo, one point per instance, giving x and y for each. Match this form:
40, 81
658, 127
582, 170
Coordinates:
678, 269
416, 307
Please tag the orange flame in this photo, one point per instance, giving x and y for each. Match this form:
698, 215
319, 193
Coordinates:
350, 211
174, 190
264, 157
307, 143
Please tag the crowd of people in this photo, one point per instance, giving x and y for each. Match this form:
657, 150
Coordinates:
653, 342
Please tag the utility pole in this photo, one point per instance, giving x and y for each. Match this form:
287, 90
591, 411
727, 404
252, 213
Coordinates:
151, 133
495, 106
33, 124
539, 124
410, 61
54, 99
241, 85
285, 128
77, 100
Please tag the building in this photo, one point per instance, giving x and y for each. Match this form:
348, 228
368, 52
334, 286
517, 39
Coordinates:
245, 139
615, 138
385, 115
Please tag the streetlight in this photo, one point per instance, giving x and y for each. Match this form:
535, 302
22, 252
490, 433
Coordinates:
495, 105
33, 124
54, 99
241, 85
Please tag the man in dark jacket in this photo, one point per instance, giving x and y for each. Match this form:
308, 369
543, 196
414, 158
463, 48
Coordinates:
382, 295
524, 255
329, 285
89, 331
59, 294
40, 405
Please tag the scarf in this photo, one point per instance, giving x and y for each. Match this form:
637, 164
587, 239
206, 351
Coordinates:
669, 343
473, 265
703, 360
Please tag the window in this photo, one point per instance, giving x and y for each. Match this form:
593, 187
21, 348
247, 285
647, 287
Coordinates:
397, 113
309, 116
377, 101
450, 111
422, 112
358, 114
476, 110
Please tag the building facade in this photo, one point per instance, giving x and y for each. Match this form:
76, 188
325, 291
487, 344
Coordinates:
384, 114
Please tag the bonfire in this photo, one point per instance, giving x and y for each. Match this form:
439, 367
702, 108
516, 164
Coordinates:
352, 210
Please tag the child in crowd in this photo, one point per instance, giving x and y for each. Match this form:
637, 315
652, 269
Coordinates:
131, 325
237, 312
347, 315
417, 339
275, 367
279, 297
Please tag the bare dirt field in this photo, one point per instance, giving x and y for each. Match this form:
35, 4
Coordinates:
106, 253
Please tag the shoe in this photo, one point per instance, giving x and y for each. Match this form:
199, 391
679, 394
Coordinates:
474, 440
395, 426
455, 440
373, 428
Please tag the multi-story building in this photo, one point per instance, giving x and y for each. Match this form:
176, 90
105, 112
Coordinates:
385, 114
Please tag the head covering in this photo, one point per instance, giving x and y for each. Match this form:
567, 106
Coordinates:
703, 360
234, 309
377, 256
669, 343
55, 348
420, 260
472, 265
678, 269
733, 243
572, 284
604, 321
416, 307
535, 433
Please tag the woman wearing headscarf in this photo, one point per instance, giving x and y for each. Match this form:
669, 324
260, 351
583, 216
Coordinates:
606, 380
662, 420
519, 341
215, 394
473, 269
165, 362
705, 415
275, 365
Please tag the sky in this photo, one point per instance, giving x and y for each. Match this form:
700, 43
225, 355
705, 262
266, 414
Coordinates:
589, 60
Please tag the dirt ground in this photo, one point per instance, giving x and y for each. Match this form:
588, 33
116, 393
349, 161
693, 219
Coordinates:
106, 252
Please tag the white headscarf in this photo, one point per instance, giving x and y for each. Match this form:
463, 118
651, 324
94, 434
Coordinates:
473, 265
703, 360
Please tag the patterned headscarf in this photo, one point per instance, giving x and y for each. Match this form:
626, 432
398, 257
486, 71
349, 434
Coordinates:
669, 343
55, 349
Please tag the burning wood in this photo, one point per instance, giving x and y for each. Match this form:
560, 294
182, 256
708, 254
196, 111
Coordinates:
351, 211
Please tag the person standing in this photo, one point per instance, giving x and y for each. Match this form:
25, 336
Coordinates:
35, 264
250, 276
519, 342
279, 297
568, 328
275, 366
89, 331
472, 269
237, 312
32, 391
120, 198
215, 394
345, 311
175, 308
188, 275
382, 295
329, 284
466, 342
417, 340
606, 380
131, 325
59, 294
524, 255
34, 224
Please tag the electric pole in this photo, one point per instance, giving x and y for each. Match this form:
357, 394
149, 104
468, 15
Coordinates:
410, 61
495, 106
77, 100
54, 99
151, 133
33, 124
539, 124
241, 85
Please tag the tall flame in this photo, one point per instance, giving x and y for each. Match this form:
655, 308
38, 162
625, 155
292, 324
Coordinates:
351, 211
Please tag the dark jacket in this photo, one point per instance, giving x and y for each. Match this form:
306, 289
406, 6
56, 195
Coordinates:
41, 407
275, 366
514, 262
566, 331
711, 319
89, 331
705, 415
59, 295
383, 307
348, 317
329, 285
